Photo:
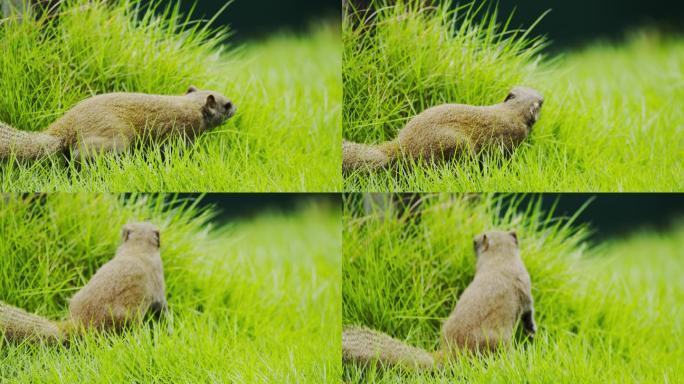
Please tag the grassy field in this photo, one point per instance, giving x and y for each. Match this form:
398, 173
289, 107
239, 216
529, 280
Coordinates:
284, 137
606, 314
610, 121
247, 307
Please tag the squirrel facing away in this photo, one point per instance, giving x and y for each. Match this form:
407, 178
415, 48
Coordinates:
112, 122
484, 317
449, 130
121, 292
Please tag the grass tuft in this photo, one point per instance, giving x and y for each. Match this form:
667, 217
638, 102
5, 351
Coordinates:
414, 57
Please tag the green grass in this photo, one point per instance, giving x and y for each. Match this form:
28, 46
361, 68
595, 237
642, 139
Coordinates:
611, 119
610, 313
284, 137
247, 307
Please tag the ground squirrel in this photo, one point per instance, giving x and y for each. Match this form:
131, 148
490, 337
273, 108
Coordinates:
112, 122
121, 292
484, 318
448, 130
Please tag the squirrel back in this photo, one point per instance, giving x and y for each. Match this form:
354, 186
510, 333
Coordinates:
142, 116
125, 288
364, 345
444, 131
111, 123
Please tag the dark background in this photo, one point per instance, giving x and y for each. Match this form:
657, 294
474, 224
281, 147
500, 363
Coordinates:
616, 214
232, 206
576, 22
254, 19
609, 214
605, 214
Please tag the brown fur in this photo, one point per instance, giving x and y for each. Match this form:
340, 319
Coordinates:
113, 122
484, 317
449, 130
121, 292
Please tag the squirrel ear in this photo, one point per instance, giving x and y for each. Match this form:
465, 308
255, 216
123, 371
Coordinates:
125, 232
191, 89
514, 236
157, 238
211, 102
481, 243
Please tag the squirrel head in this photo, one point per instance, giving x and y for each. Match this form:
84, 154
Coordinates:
494, 243
216, 108
527, 100
141, 232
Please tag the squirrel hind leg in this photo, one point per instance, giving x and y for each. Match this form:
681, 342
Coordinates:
445, 145
158, 309
97, 145
68, 330
159, 313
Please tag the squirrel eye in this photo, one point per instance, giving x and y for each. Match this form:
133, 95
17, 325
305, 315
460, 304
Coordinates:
228, 105
509, 97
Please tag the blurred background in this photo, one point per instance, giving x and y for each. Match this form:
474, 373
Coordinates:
232, 206
606, 214
616, 214
250, 19
575, 23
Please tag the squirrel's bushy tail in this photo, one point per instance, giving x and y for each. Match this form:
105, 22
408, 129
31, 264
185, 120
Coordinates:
363, 345
356, 156
18, 325
27, 145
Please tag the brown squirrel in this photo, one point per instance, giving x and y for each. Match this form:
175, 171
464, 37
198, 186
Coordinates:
483, 320
112, 122
449, 130
121, 292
